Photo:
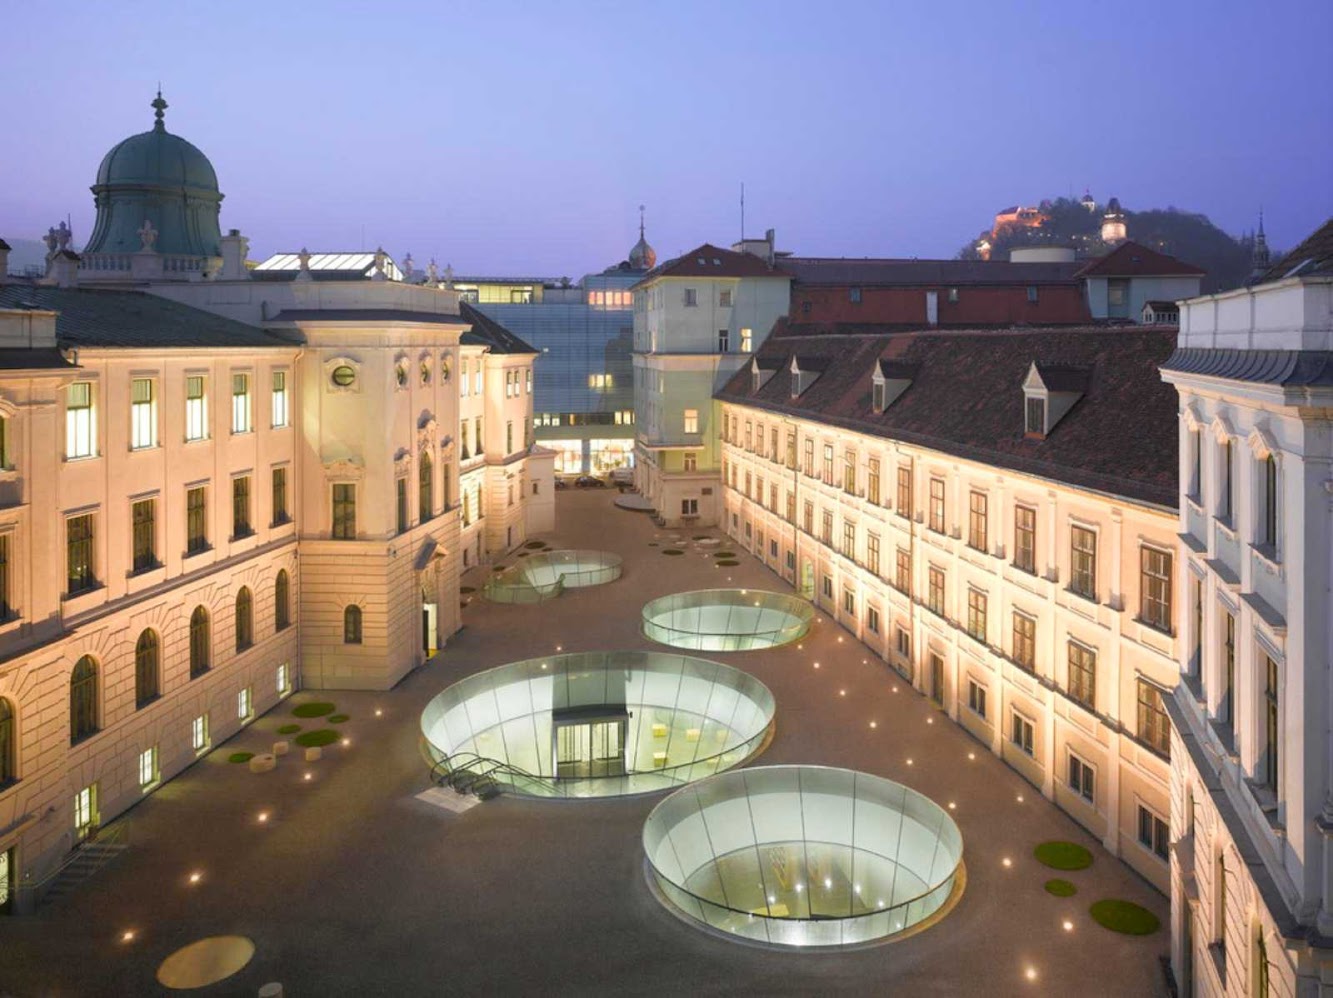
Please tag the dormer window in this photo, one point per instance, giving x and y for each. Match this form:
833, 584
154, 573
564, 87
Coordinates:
1035, 424
1050, 391
877, 396
888, 381
795, 384
760, 373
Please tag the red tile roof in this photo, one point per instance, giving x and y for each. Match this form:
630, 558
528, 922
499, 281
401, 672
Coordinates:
1132, 260
713, 261
966, 399
838, 271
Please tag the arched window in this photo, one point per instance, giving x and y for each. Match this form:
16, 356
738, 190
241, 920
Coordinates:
200, 645
245, 619
352, 625
83, 700
467, 510
147, 658
425, 488
282, 592
447, 483
8, 767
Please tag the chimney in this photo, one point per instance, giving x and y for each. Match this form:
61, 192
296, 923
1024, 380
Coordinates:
771, 237
4, 260
234, 247
62, 269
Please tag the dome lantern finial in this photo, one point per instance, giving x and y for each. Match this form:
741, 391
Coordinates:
159, 107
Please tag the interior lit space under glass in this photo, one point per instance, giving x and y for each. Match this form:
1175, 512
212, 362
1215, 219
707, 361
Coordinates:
803, 855
546, 574
595, 724
727, 619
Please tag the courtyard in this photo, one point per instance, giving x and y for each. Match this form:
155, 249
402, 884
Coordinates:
349, 884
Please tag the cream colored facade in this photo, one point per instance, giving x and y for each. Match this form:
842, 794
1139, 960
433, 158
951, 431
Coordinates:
821, 506
1252, 753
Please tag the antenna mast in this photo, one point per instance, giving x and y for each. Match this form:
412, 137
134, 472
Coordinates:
742, 211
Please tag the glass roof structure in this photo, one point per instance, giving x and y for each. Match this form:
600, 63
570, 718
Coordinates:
678, 719
362, 264
727, 619
803, 856
549, 573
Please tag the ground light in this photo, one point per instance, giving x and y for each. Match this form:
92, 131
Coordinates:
127, 936
195, 877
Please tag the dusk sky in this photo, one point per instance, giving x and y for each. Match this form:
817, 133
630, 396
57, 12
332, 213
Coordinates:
520, 138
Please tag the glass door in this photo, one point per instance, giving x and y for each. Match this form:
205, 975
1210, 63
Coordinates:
6, 881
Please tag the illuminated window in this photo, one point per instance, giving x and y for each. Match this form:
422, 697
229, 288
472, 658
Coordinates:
148, 771
80, 426
1083, 562
240, 403
143, 414
280, 406
691, 420
245, 708
196, 409
747, 338
283, 679
463, 380
199, 733
528, 376
1083, 675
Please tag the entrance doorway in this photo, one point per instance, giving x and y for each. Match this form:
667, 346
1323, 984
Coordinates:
429, 627
593, 747
808, 580
937, 678
6, 881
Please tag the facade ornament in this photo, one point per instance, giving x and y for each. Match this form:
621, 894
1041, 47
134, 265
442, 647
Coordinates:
344, 469
449, 276
303, 266
432, 272
50, 240
147, 236
63, 235
407, 266
379, 274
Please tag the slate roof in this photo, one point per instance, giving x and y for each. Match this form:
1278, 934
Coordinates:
37, 359
1129, 259
98, 317
487, 332
1160, 305
928, 273
367, 315
966, 399
713, 261
1317, 249
1287, 368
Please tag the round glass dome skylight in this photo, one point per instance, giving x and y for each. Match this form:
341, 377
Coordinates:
727, 619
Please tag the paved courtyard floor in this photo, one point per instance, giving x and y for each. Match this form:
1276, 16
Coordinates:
353, 887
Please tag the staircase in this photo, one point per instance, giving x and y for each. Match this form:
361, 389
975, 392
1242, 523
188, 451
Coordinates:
81, 864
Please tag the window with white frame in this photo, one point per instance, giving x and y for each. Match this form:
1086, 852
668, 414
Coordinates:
1082, 778
689, 507
85, 810
904, 642
80, 421
849, 602
148, 769
240, 403
143, 413
1021, 732
281, 408
976, 698
245, 708
283, 679
196, 408
463, 381
691, 420
872, 620
747, 340
691, 297
691, 461
199, 733
724, 298
1154, 833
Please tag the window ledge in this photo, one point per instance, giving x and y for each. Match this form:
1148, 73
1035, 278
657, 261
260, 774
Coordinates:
197, 552
1085, 597
1195, 503
1167, 631
1267, 555
1224, 524
145, 448
1267, 802
79, 459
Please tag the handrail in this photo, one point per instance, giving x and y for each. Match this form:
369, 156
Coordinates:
111, 838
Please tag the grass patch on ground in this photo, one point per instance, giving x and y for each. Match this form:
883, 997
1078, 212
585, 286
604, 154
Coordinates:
239, 757
727, 563
466, 589
652, 544
338, 718
724, 554
289, 729
672, 551
1125, 917
534, 545
316, 739
317, 709
1063, 855
1060, 888
700, 537
498, 568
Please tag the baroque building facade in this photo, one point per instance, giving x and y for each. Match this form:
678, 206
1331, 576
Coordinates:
219, 484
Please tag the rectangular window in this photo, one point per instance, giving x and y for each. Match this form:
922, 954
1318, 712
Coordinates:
1025, 641
1155, 588
872, 553
809, 458
1272, 773
1154, 728
976, 614
143, 521
1154, 834
477, 376
904, 643
344, 511
85, 810
245, 708
280, 406
240, 403
463, 380
1025, 539
849, 540
6, 607
689, 507
280, 514
148, 770
196, 409
1083, 562
283, 680
724, 298
400, 492
723, 340
826, 583
905, 490
691, 297
749, 435
1228, 704
1035, 421
976, 521
1083, 675
509, 436
1082, 779
80, 426
872, 620
935, 592
976, 698
828, 464
691, 461
877, 395
476, 436
849, 472
240, 506
809, 518
691, 420
1268, 526
199, 733
196, 520
143, 414
849, 602
872, 480
791, 507
1228, 480
826, 531
79, 554
747, 339
854, 295
1020, 732
773, 455
937, 505
1032, 292
902, 573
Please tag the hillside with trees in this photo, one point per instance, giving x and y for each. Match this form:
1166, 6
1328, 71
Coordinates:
1188, 236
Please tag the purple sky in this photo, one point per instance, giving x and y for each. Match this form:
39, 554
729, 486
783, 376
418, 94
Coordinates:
520, 138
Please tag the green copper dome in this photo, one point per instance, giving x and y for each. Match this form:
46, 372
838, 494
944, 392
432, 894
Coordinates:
163, 180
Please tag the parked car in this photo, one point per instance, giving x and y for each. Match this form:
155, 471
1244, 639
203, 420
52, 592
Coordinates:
562, 483
623, 476
589, 482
